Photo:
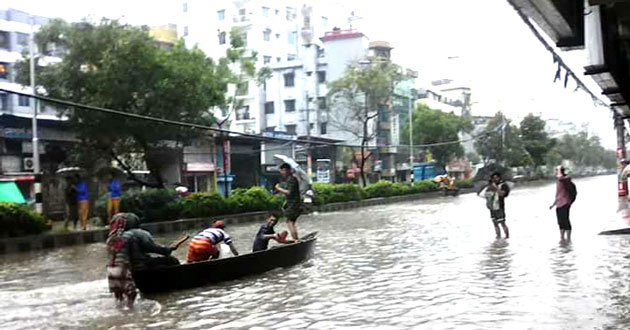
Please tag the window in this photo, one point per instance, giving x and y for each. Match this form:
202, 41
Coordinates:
4, 101
323, 128
24, 101
309, 73
277, 11
289, 105
289, 79
222, 38
22, 39
277, 35
292, 36
311, 126
4, 70
291, 13
278, 59
269, 108
321, 103
185, 31
270, 128
291, 129
242, 113
265, 11
320, 52
266, 59
324, 21
242, 88
242, 12
185, 7
266, 35
321, 77
4, 39
291, 57
221, 14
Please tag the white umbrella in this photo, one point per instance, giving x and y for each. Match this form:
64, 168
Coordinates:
303, 178
69, 170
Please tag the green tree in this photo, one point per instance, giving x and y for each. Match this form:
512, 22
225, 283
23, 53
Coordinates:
360, 96
534, 139
434, 126
501, 143
120, 67
583, 150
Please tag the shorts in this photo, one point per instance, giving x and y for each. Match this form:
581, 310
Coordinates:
201, 249
497, 216
292, 211
563, 217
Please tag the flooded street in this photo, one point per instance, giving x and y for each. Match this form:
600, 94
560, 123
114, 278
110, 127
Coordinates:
430, 264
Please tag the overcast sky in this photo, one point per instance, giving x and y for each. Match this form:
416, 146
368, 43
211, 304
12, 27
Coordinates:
483, 43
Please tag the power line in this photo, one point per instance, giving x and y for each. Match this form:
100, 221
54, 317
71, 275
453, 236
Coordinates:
557, 58
224, 131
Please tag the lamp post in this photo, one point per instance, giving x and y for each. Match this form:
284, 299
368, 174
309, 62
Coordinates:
33, 103
411, 134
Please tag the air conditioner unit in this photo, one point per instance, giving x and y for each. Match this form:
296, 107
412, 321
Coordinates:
28, 163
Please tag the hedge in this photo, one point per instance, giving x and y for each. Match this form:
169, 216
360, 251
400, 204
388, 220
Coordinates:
19, 220
160, 205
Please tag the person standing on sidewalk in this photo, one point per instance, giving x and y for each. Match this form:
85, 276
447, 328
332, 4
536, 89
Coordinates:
495, 193
565, 196
114, 192
83, 201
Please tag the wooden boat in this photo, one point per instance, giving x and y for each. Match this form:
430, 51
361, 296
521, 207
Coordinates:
197, 274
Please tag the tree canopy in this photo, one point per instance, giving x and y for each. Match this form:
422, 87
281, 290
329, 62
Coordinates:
501, 143
434, 126
120, 67
535, 139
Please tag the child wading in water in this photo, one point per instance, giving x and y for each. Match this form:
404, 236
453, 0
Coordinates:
495, 193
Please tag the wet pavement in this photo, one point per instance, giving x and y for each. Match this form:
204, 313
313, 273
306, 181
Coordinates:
429, 264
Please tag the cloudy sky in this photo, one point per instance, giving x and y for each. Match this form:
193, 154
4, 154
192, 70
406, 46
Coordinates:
483, 43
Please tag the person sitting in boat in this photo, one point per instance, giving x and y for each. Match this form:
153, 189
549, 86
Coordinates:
143, 250
204, 245
130, 248
266, 233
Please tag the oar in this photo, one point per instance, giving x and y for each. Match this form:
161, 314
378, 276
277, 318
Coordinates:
181, 241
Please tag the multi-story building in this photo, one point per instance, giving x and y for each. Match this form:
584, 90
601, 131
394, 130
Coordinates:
276, 30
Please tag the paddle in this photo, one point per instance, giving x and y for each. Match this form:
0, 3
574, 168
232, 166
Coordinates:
179, 242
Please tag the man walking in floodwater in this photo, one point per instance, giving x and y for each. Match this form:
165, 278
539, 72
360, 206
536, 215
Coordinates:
495, 193
565, 196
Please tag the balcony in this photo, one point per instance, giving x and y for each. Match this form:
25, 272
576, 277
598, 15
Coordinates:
341, 34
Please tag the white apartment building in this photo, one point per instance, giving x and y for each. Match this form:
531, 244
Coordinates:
297, 91
275, 29
15, 27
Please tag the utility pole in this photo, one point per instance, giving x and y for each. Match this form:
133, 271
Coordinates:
309, 160
411, 134
33, 103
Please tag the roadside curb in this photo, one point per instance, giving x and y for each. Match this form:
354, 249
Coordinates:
57, 240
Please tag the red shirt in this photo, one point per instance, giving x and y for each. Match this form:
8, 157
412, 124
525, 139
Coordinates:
562, 192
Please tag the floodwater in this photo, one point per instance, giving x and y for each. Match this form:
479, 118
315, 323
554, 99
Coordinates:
430, 264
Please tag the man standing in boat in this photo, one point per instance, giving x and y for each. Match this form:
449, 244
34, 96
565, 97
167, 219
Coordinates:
204, 245
290, 188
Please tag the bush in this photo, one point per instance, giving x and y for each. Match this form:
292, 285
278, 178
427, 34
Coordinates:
151, 205
326, 193
466, 183
19, 220
426, 185
381, 188
240, 201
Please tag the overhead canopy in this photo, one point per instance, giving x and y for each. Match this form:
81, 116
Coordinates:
562, 20
10, 193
